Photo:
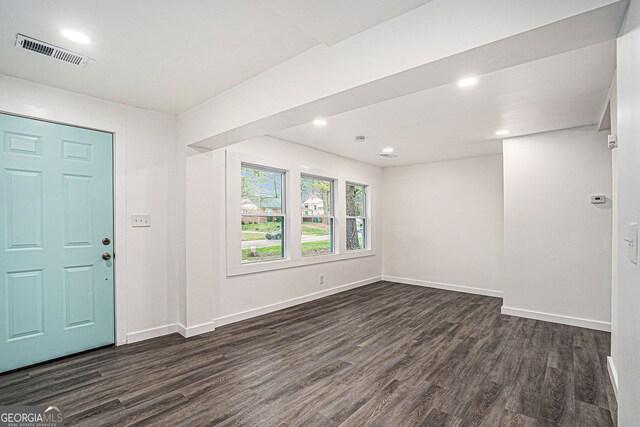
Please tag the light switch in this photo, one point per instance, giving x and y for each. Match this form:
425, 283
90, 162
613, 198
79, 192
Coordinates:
632, 242
141, 220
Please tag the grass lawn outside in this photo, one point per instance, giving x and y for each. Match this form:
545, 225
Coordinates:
265, 226
273, 252
315, 229
316, 248
262, 254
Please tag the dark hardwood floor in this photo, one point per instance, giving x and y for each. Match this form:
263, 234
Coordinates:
384, 355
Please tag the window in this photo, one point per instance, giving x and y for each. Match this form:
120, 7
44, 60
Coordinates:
263, 214
316, 198
356, 217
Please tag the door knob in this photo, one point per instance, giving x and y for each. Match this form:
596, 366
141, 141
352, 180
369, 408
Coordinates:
106, 256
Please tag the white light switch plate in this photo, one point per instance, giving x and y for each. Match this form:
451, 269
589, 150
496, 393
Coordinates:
141, 220
632, 242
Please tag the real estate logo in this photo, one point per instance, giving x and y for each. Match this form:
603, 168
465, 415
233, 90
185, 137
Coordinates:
31, 416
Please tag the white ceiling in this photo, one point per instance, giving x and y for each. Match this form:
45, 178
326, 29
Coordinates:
331, 21
168, 55
447, 122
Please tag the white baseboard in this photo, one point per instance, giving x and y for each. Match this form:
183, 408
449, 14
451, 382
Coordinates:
445, 286
170, 329
558, 318
151, 333
202, 328
192, 331
243, 315
613, 374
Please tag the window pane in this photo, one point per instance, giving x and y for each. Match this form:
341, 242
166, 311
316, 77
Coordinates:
262, 238
315, 196
317, 236
355, 200
355, 234
261, 191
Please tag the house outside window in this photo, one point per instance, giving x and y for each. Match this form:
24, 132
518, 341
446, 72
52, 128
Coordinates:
317, 217
262, 214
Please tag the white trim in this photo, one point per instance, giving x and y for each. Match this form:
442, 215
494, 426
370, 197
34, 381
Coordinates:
293, 251
179, 328
613, 374
119, 131
557, 318
192, 331
233, 182
301, 262
146, 334
243, 315
446, 286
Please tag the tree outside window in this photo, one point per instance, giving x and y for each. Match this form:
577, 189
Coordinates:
356, 217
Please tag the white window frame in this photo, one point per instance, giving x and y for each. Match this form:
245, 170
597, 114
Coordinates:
282, 214
330, 217
364, 216
293, 250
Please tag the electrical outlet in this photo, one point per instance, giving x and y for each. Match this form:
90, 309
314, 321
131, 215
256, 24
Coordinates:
141, 220
322, 279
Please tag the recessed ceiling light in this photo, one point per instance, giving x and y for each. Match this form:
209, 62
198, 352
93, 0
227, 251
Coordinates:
75, 36
467, 81
320, 122
387, 150
502, 132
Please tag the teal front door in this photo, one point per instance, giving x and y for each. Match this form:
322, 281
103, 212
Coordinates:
56, 219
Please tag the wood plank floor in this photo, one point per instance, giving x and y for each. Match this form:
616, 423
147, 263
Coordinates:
384, 355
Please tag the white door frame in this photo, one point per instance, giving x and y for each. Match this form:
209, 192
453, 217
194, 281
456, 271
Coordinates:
119, 131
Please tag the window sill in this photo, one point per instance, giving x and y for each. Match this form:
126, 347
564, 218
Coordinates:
262, 266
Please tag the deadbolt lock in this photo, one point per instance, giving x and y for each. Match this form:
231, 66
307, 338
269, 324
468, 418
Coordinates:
106, 241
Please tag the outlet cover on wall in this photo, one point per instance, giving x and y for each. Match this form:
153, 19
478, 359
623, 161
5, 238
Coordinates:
141, 220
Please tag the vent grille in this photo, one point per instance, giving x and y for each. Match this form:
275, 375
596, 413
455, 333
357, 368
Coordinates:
37, 46
387, 155
68, 57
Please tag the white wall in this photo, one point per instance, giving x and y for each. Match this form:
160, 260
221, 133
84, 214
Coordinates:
557, 245
150, 144
627, 339
210, 294
203, 199
443, 224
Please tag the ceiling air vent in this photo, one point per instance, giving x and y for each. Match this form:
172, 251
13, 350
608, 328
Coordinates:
37, 46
